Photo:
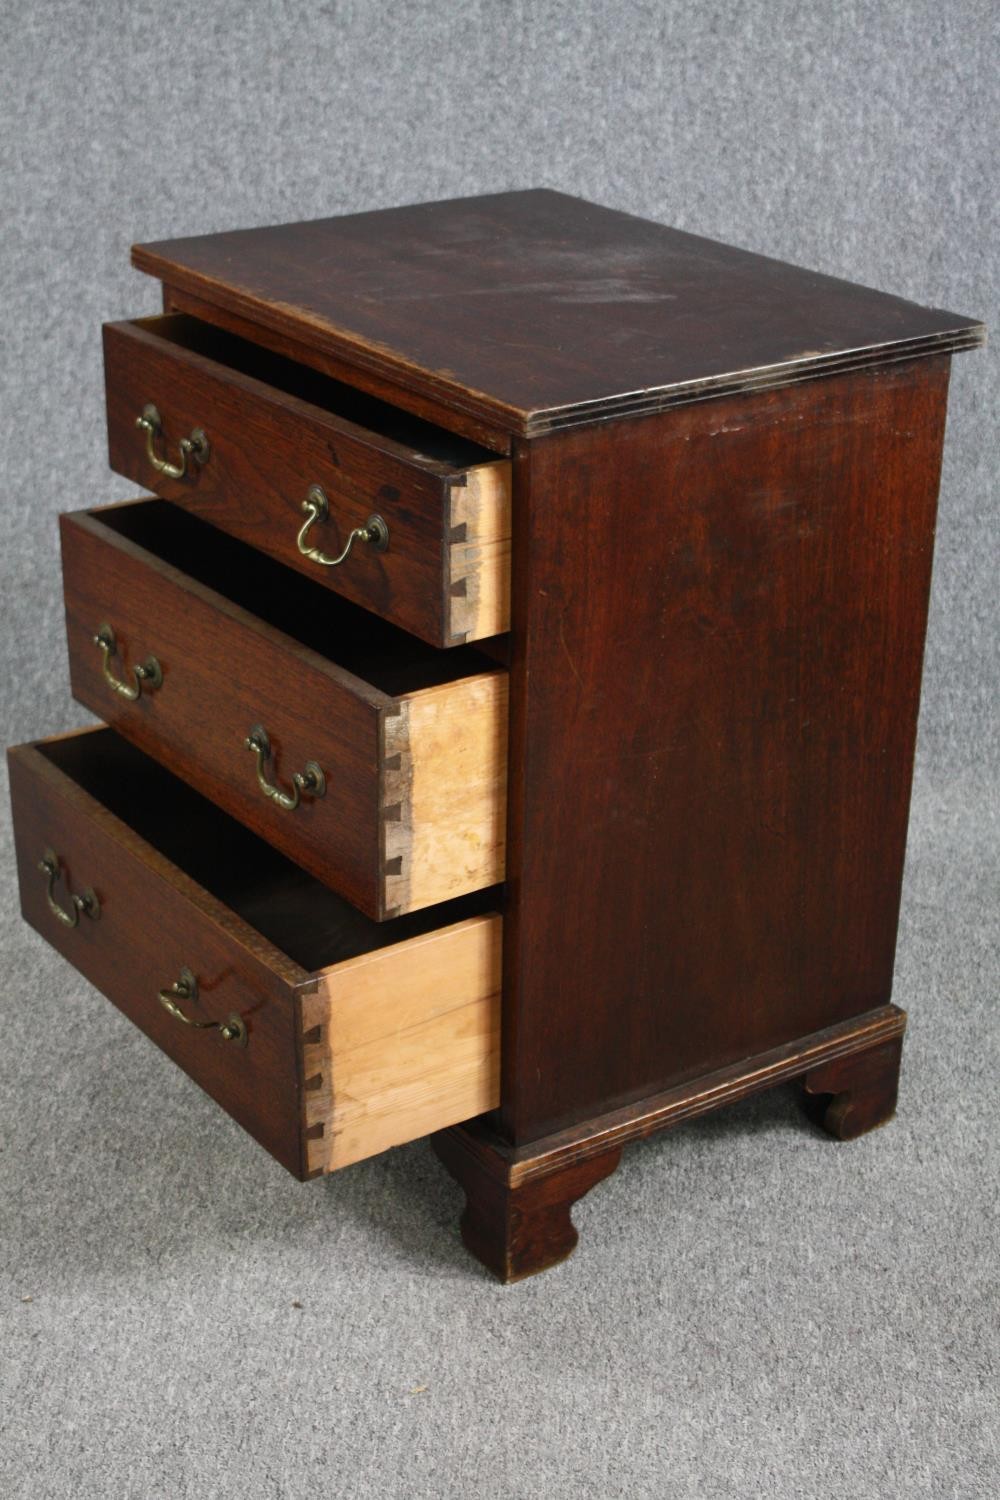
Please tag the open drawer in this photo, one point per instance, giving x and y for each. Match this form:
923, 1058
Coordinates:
269, 438
251, 677
327, 1036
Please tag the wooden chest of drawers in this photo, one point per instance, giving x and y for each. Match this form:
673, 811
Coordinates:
511, 690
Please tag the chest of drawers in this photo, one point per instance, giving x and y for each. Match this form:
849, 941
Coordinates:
511, 688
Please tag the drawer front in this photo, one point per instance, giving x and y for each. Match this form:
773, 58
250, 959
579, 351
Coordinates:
443, 573
223, 674
402, 801
323, 1062
152, 923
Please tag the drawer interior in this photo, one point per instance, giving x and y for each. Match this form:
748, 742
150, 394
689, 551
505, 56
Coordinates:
304, 919
424, 439
379, 653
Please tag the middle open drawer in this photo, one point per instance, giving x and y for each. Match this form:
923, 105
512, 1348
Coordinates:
374, 761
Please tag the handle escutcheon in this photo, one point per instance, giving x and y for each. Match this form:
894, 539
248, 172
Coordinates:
194, 448
87, 902
185, 987
147, 672
311, 780
317, 508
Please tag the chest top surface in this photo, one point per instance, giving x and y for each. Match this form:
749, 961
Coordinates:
535, 310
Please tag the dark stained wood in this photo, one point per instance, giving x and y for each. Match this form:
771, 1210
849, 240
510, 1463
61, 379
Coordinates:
517, 1229
854, 1094
534, 310
152, 922
857, 1037
218, 632
223, 673
517, 1217
475, 429
280, 905
719, 608
182, 884
276, 428
718, 627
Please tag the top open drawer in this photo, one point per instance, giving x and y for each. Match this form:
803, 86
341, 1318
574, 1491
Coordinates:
294, 463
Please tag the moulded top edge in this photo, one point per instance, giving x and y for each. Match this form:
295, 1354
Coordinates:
530, 311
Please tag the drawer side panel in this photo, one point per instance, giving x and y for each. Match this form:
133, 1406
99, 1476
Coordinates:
445, 814
402, 1042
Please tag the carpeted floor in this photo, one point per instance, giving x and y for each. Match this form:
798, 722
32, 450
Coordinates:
753, 1309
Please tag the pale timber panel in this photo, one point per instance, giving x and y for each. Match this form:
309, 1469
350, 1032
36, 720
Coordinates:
402, 1042
479, 553
445, 792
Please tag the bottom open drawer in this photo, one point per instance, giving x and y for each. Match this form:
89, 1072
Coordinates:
327, 1036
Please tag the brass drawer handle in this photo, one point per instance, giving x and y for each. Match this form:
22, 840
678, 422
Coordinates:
87, 902
310, 780
185, 987
147, 671
194, 447
317, 508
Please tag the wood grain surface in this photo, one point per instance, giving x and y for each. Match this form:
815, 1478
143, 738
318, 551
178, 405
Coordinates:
226, 669
275, 429
719, 617
153, 921
527, 311
517, 1218
361, 1035
402, 1042
444, 794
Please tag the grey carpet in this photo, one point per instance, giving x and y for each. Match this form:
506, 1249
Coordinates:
753, 1310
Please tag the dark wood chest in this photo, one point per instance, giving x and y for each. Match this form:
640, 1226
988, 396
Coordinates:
511, 688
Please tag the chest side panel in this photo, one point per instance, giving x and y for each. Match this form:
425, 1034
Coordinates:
719, 617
